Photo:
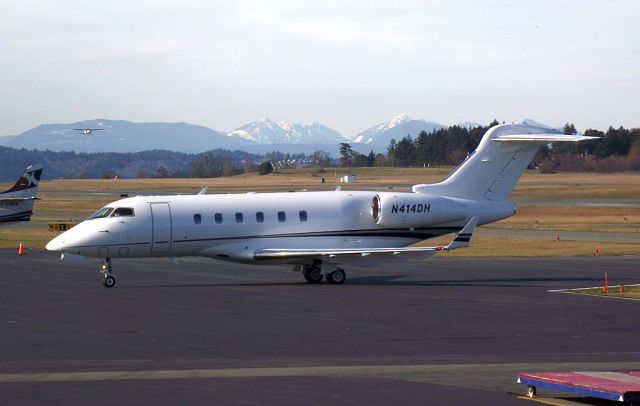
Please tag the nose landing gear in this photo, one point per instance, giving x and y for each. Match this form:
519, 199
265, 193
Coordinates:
109, 279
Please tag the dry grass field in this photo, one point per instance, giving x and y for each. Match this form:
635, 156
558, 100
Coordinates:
535, 185
572, 218
540, 204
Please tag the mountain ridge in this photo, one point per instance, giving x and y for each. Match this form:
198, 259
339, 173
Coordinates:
266, 131
397, 128
257, 136
123, 136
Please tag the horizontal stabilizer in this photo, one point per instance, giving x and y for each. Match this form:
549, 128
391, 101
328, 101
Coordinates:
461, 241
550, 137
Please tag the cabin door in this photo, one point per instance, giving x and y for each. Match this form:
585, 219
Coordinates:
161, 226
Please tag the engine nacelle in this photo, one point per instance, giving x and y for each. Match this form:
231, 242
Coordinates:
415, 210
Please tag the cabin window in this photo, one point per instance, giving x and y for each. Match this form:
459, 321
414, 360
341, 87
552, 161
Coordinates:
239, 218
197, 219
303, 215
103, 212
218, 218
122, 212
282, 217
260, 217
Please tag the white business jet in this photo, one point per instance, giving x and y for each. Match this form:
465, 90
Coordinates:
16, 203
316, 232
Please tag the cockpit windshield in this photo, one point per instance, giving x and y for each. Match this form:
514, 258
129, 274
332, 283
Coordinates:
122, 212
103, 212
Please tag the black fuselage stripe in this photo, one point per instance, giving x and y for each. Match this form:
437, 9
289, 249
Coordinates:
351, 234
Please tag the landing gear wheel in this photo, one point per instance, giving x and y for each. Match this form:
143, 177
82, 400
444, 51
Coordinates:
312, 275
336, 277
531, 391
109, 281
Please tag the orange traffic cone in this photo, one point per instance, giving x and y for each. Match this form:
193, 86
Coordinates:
20, 249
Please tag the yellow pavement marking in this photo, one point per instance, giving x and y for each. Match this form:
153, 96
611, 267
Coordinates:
366, 370
466, 375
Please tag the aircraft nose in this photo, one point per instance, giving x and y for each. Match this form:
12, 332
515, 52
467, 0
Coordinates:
57, 244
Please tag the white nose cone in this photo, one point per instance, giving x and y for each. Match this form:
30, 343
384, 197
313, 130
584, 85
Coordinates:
57, 244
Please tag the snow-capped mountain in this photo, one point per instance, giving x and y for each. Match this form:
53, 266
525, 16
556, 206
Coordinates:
397, 128
267, 131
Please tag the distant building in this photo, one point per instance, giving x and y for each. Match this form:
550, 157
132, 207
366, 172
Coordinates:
348, 179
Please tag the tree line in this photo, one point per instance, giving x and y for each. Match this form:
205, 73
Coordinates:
618, 149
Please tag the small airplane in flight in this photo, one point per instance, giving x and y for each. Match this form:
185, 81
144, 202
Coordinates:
16, 203
316, 232
88, 131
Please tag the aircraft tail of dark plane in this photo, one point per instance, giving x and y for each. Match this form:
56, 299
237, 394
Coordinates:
16, 203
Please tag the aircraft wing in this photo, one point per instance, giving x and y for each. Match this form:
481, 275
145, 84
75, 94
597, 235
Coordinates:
461, 241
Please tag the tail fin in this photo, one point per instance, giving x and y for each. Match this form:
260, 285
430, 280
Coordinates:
28, 181
16, 203
493, 169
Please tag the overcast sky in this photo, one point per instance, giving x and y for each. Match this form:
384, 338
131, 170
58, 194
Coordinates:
224, 64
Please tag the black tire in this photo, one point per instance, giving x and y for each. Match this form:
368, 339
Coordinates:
109, 281
312, 275
336, 277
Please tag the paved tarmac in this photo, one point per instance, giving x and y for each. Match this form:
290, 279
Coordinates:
439, 331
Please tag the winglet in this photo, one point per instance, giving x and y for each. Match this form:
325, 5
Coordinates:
464, 236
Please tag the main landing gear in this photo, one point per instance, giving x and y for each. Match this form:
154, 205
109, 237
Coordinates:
109, 279
312, 274
315, 272
336, 277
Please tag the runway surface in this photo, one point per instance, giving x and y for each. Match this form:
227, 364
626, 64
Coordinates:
444, 330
